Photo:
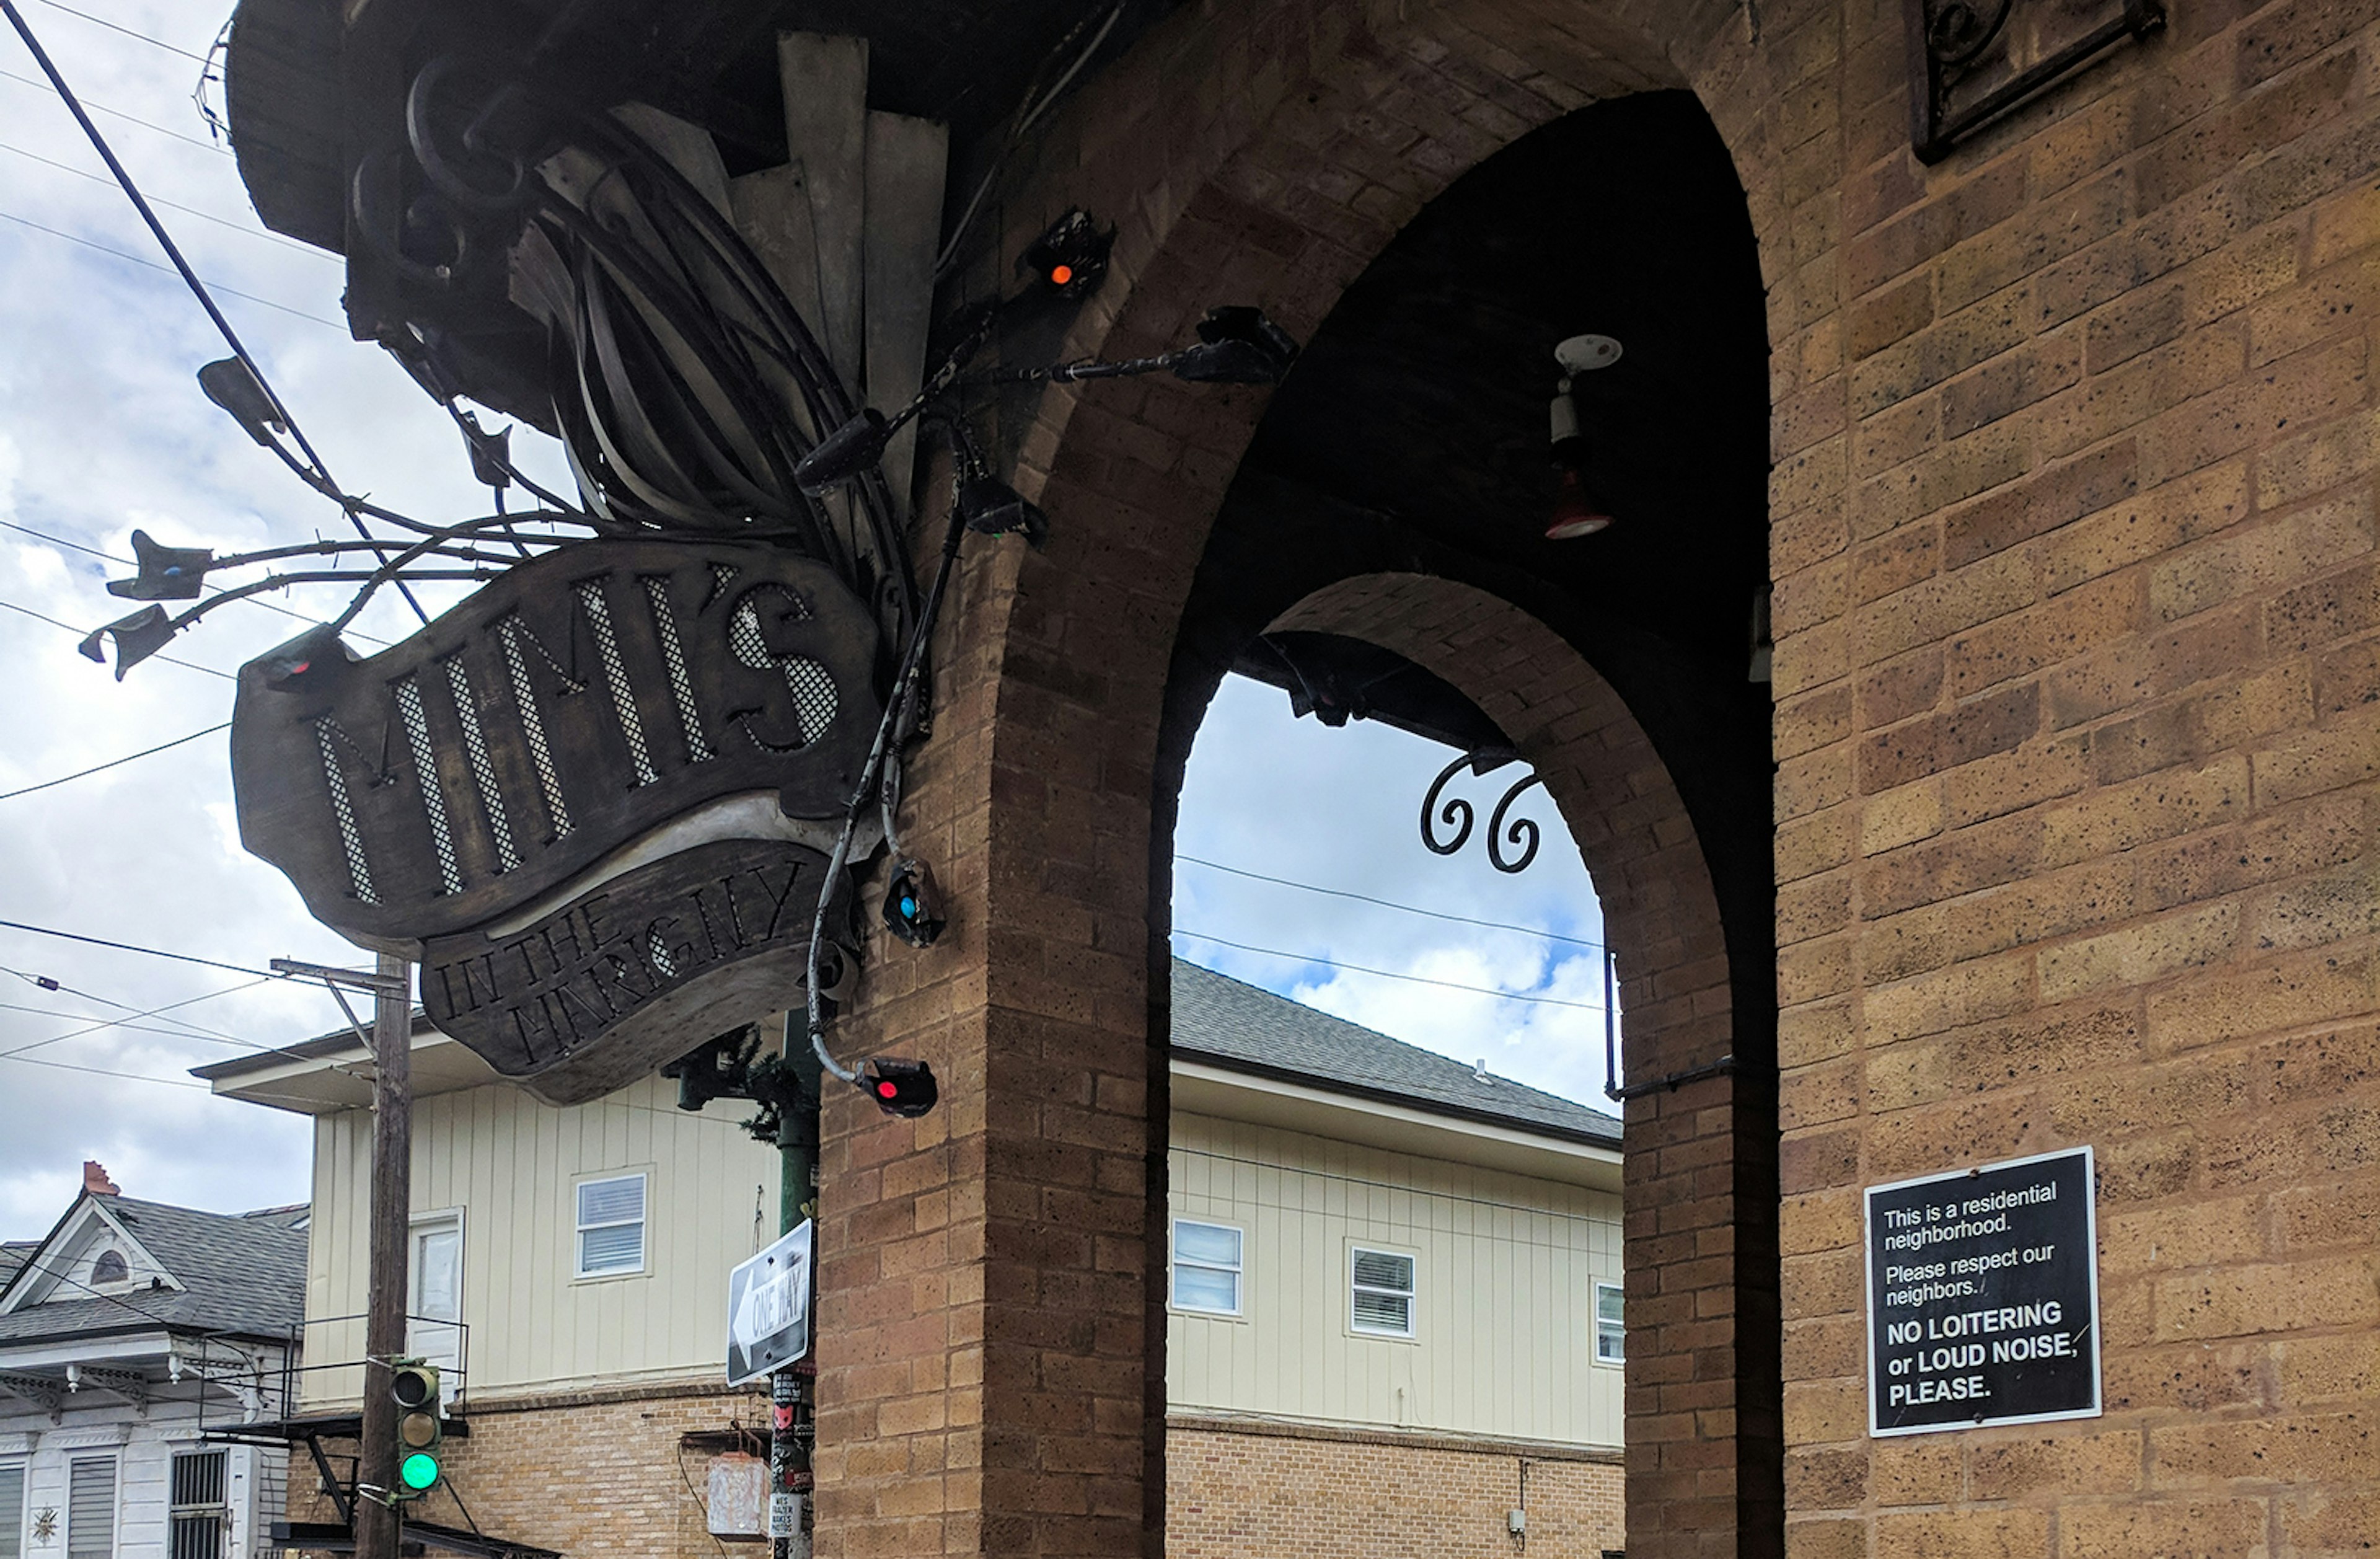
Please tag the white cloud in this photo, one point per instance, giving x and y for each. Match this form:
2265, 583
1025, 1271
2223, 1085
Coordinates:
1340, 808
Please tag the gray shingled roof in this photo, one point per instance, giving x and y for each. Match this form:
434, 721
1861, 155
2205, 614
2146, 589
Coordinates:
243, 1274
13, 1253
1220, 1020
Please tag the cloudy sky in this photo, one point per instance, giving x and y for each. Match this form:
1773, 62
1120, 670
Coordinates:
103, 430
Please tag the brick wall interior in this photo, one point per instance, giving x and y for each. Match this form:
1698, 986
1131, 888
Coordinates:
596, 1480
1234, 1495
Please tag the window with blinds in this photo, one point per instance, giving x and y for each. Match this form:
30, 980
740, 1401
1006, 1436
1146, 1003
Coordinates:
201, 1512
90, 1507
1206, 1266
1383, 1294
611, 1226
1610, 1334
12, 1512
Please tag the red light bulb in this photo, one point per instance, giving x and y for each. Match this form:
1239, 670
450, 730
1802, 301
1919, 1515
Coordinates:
1061, 274
888, 1090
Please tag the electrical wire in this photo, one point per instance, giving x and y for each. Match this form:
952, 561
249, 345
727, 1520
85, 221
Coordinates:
130, 563
120, 254
1385, 974
119, 26
197, 1032
127, 1025
283, 416
104, 1072
186, 665
136, 947
251, 230
120, 113
1383, 903
112, 763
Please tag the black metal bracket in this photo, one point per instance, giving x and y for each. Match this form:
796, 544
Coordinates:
1956, 44
1459, 815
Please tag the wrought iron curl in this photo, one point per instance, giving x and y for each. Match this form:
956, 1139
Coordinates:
1459, 814
1956, 33
1523, 831
1520, 832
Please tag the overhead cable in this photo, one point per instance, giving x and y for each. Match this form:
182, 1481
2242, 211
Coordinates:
128, 118
186, 665
1384, 903
136, 947
250, 229
104, 1072
198, 288
130, 563
103, 248
112, 763
193, 1031
119, 26
1384, 974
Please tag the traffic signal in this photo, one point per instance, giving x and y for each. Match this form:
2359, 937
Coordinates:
912, 906
413, 1384
1069, 258
901, 1088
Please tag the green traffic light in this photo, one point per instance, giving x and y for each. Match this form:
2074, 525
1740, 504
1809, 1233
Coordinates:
419, 1471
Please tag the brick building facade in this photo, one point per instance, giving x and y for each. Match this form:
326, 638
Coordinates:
2070, 533
2052, 826
1233, 1494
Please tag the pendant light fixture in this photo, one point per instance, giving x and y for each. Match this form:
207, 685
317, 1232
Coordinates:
1578, 509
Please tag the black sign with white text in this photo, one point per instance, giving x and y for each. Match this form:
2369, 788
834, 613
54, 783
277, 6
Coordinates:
1984, 1297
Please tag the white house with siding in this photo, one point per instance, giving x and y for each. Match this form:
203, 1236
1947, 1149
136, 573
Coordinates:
1369, 1245
130, 1335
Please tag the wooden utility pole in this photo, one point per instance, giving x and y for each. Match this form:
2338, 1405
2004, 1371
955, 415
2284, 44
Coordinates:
378, 1519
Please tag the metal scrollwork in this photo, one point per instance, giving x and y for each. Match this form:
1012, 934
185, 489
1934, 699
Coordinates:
1459, 815
1522, 832
1969, 66
1956, 32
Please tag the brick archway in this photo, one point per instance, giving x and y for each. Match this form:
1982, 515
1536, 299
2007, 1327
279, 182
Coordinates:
984, 1370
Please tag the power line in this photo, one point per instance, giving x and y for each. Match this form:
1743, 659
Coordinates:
252, 232
319, 473
112, 763
119, 27
127, 1025
226, 291
169, 660
130, 563
1384, 974
197, 1031
128, 118
106, 1072
135, 947
1391, 904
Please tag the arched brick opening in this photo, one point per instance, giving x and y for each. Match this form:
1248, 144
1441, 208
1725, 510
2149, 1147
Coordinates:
989, 1285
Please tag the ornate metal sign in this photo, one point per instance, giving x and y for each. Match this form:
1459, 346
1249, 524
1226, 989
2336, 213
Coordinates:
531, 793
1971, 61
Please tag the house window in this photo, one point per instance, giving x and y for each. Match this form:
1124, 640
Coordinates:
611, 1226
1383, 1303
12, 1512
1610, 1336
434, 1307
90, 1507
1206, 1266
200, 1511
109, 1268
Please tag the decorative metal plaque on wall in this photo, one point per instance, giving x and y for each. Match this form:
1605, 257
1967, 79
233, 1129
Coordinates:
1971, 61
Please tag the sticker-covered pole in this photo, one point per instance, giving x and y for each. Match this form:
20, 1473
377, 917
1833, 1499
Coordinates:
791, 1388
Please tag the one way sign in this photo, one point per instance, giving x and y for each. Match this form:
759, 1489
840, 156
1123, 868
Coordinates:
769, 1309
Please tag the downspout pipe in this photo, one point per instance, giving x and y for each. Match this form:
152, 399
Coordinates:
1613, 1089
